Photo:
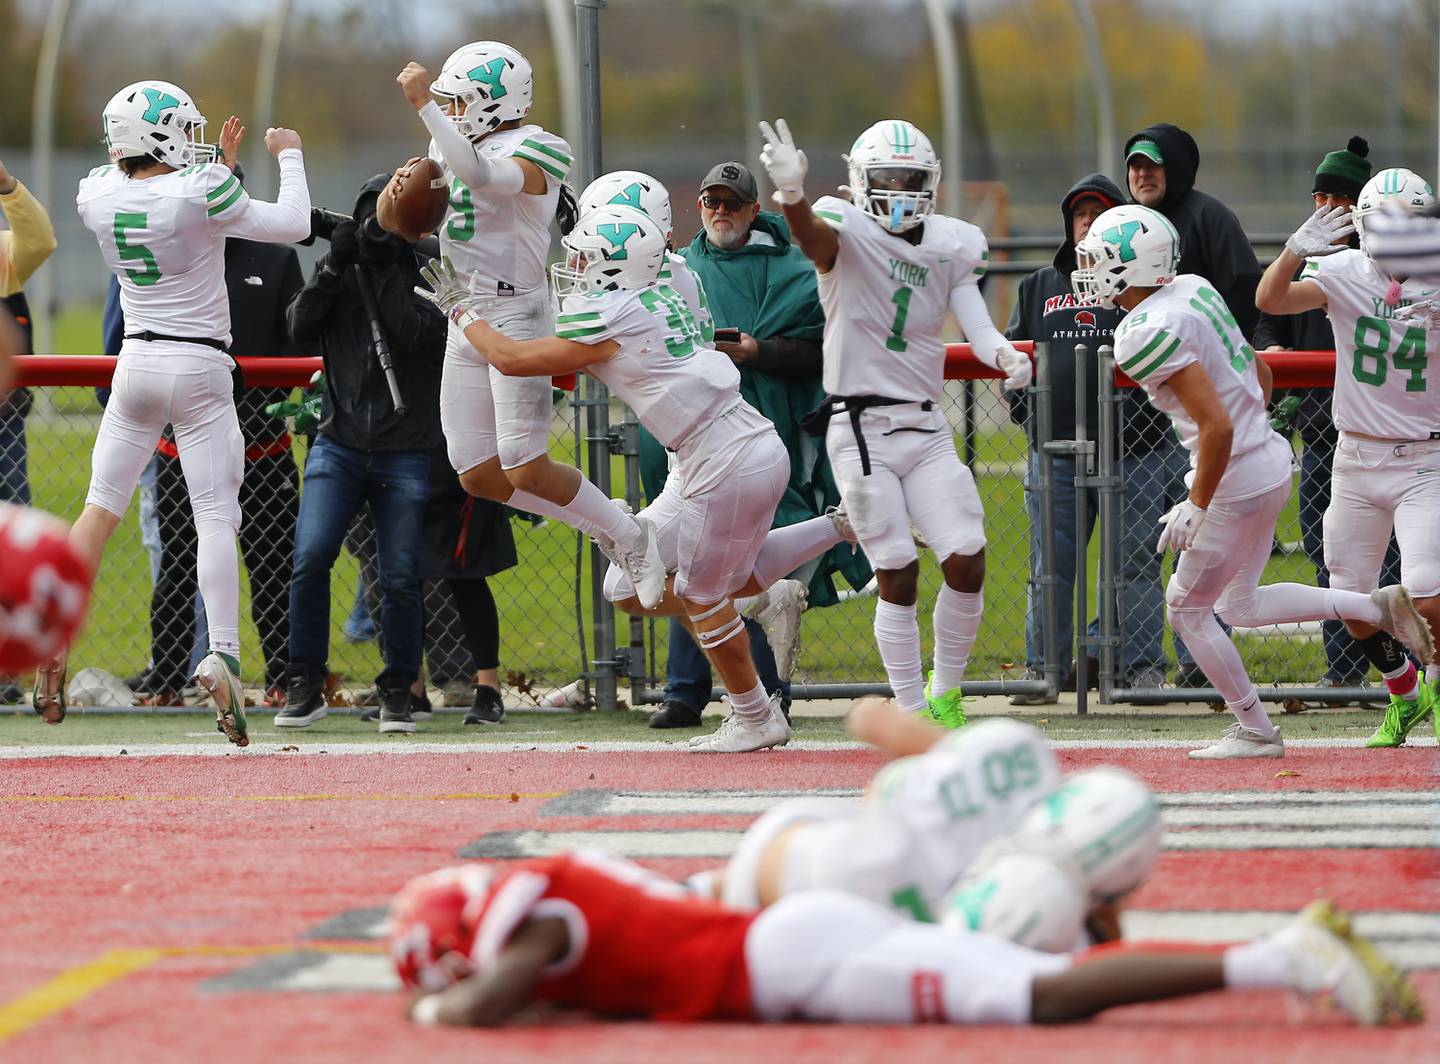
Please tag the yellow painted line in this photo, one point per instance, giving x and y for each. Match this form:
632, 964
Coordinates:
475, 797
75, 985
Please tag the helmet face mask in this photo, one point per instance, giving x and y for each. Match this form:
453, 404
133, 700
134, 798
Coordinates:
1127, 247
894, 173
611, 248
1393, 189
158, 120
484, 85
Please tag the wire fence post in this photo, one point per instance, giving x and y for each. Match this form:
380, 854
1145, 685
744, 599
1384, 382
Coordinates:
1045, 580
1109, 483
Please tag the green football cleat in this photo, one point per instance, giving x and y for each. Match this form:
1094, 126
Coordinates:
1402, 715
948, 710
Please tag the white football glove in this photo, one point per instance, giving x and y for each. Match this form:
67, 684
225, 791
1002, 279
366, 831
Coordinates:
1324, 233
1016, 367
785, 163
1424, 314
1181, 527
447, 291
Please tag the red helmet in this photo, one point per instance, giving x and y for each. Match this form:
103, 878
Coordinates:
432, 925
44, 587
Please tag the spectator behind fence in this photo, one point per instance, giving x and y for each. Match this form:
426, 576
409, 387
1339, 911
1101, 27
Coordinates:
260, 279
23, 248
1048, 311
1338, 181
365, 452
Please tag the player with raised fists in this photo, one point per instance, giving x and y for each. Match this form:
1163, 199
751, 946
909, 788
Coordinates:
1180, 343
506, 177
1386, 473
161, 212
890, 270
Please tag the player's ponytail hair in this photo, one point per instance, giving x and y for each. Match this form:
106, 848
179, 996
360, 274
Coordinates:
567, 211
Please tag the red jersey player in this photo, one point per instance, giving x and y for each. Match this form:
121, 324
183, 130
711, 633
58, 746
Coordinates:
585, 930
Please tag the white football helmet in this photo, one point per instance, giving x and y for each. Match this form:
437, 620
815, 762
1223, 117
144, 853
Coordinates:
492, 81
629, 188
157, 119
1022, 890
1108, 822
894, 173
1127, 247
611, 247
1392, 189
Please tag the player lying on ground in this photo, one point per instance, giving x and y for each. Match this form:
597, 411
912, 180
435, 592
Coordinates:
480, 943
1181, 344
973, 827
890, 271
1386, 472
638, 335
161, 213
505, 177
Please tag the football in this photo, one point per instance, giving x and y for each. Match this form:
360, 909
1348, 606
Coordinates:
44, 588
419, 203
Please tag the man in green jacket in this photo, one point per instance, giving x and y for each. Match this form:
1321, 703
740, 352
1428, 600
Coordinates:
758, 282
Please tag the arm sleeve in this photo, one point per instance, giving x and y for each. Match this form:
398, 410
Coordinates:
32, 238
499, 176
233, 213
785, 356
974, 317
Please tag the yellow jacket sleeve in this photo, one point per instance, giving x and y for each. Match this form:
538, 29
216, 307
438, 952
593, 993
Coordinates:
31, 239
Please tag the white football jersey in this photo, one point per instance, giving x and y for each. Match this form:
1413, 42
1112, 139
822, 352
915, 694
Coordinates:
886, 300
503, 242
1187, 322
164, 238
1387, 373
676, 272
665, 371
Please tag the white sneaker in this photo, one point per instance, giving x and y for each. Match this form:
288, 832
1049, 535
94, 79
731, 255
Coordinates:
778, 609
1239, 741
1400, 618
1328, 958
643, 565
224, 687
738, 736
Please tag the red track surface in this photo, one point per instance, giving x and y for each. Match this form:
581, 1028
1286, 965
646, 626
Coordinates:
177, 865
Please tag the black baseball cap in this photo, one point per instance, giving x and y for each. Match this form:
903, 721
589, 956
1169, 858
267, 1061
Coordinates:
736, 178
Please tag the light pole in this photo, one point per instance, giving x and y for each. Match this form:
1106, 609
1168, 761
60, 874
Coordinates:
43, 121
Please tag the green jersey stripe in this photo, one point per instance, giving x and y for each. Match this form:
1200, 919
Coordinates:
1159, 360
830, 215
228, 202
544, 164
222, 190
560, 155
1160, 337
577, 333
584, 317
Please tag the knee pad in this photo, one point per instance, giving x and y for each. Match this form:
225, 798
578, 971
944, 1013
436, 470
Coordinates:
715, 624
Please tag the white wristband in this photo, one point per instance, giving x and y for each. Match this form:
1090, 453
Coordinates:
426, 1011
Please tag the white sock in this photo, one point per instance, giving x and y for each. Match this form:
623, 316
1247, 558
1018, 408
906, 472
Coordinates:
217, 571
957, 619
1291, 603
897, 634
752, 705
786, 549
1258, 964
592, 512
1251, 714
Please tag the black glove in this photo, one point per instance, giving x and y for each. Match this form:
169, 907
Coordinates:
344, 246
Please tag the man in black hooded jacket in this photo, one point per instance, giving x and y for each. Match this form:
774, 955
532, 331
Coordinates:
1048, 311
365, 453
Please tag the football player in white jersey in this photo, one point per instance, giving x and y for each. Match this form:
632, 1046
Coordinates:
1386, 473
161, 213
890, 270
1181, 344
505, 179
639, 337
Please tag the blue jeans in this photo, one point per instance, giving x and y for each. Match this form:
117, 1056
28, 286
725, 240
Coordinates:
687, 669
338, 480
14, 453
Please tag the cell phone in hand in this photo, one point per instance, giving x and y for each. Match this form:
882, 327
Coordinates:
727, 336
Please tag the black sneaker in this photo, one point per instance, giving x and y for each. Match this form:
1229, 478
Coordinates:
420, 707
395, 715
487, 708
675, 714
304, 700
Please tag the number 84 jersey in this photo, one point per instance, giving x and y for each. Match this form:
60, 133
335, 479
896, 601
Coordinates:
1387, 372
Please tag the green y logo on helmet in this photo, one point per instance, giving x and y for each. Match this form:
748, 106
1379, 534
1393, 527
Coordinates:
1121, 236
629, 197
160, 102
618, 234
971, 903
487, 75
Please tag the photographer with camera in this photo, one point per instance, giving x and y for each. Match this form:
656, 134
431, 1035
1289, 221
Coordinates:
366, 450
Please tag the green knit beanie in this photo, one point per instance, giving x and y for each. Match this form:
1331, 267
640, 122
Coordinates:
1344, 173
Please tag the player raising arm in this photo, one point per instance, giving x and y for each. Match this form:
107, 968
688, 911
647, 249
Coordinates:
890, 270
161, 213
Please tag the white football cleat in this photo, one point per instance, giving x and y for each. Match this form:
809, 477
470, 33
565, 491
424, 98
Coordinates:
1400, 618
643, 565
1239, 741
224, 687
737, 735
778, 609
